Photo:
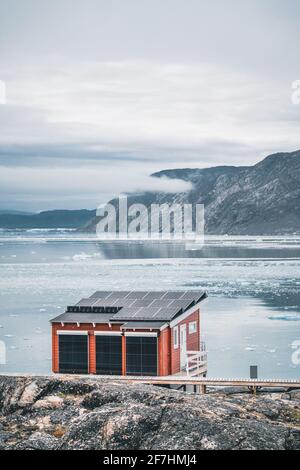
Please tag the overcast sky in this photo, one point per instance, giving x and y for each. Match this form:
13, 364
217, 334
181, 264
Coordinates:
102, 93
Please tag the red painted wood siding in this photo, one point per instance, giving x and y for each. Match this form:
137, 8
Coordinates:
168, 357
164, 352
55, 360
92, 353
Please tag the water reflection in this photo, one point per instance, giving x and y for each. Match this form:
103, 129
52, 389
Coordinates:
148, 250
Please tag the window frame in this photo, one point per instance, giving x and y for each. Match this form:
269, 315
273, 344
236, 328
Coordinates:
176, 337
193, 324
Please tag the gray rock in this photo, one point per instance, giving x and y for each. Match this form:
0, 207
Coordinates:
38, 441
86, 413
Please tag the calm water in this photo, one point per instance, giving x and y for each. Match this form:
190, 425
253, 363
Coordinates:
252, 315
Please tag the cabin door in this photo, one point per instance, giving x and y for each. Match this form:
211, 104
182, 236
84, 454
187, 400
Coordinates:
109, 354
183, 358
141, 355
73, 354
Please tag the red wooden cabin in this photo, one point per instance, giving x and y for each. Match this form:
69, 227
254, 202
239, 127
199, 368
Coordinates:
130, 333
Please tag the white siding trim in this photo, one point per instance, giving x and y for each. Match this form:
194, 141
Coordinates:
70, 332
144, 328
184, 315
141, 334
108, 333
164, 327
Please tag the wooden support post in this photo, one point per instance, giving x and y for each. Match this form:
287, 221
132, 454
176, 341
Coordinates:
202, 389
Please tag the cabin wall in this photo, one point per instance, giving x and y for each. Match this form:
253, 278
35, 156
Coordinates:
168, 357
192, 340
92, 342
164, 354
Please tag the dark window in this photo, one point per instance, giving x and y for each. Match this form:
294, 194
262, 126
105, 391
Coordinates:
109, 355
73, 354
141, 355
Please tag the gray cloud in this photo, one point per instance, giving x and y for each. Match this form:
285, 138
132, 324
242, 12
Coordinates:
105, 88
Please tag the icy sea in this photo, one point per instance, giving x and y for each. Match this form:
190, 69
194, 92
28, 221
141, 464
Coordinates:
251, 317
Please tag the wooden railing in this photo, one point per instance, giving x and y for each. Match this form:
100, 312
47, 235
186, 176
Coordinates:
197, 361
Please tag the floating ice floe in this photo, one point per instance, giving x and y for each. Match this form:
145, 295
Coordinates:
9, 336
250, 348
85, 256
284, 317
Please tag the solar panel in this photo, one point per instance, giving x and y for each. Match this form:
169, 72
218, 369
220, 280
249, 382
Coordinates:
85, 303
106, 303
154, 295
142, 303
192, 295
101, 294
165, 314
180, 304
147, 313
137, 294
173, 295
158, 303
119, 295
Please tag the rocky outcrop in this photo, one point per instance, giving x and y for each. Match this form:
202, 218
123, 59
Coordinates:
87, 413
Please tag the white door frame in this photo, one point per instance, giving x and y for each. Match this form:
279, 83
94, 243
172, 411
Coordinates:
183, 347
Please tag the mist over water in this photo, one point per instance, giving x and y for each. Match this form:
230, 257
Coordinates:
252, 315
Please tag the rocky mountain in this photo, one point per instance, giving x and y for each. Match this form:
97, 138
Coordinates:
84, 413
263, 199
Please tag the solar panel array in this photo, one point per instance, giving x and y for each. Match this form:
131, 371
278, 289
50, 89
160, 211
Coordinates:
147, 313
146, 295
138, 305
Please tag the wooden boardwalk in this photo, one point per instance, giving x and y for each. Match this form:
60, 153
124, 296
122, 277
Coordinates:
203, 383
200, 383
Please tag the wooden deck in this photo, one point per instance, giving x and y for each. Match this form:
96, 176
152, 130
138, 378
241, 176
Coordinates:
203, 383
200, 383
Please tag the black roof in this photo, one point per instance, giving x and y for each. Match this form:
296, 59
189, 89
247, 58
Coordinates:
121, 306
